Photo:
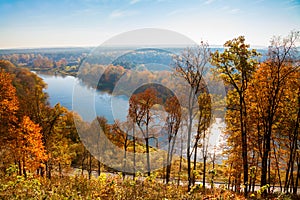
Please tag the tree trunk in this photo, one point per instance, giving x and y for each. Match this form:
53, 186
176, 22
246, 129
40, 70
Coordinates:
292, 178
290, 165
277, 166
298, 176
267, 148
264, 168
168, 168
214, 157
48, 170
133, 133
188, 150
169, 158
269, 174
82, 161
254, 179
180, 161
168, 154
229, 176
168, 171
148, 156
20, 168
60, 170
296, 132
244, 143
251, 173
24, 169
99, 168
195, 163
204, 171
190, 123
124, 157
90, 166
189, 166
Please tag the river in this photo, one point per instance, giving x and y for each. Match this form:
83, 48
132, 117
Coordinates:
60, 90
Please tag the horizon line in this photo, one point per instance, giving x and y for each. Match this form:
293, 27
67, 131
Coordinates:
116, 46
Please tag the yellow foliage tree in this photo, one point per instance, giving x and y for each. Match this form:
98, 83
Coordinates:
29, 148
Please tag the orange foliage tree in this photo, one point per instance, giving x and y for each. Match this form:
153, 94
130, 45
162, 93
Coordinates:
173, 120
29, 148
139, 111
9, 106
21, 142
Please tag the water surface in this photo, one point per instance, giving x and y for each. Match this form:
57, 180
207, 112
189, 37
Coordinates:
60, 90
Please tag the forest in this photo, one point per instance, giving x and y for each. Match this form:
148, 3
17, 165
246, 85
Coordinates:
43, 155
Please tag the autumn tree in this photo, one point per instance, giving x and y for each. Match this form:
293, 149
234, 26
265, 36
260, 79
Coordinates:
29, 149
286, 137
272, 93
236, 66
173, 120
140, 112
22, 139
204, 120
282, 61
33, 102
122, 133
234, 161
105, 128
29, 90
191, 65
42, 62
9, 106
62, 143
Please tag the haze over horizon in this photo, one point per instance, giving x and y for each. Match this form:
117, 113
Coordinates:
82, 23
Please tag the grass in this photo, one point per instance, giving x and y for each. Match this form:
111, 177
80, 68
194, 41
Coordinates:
13, 186
103, 187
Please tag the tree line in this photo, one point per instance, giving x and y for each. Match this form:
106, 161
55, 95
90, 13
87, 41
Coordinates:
262, 114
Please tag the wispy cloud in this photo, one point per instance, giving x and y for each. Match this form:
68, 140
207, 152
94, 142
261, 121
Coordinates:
174, 12
234, 11
290, 1
293, 7
225, 8
121, 13
230, 10
182, 11
86, 12
292, 4
258, 1
207, 2
134, 2
160, 1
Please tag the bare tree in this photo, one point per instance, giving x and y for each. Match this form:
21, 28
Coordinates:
191, 66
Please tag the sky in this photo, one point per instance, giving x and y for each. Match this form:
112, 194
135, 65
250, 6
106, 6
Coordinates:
59, 23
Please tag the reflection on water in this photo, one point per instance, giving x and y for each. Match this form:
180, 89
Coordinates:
60, 90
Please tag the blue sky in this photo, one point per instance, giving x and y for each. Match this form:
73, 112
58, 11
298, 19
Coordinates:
54, 23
